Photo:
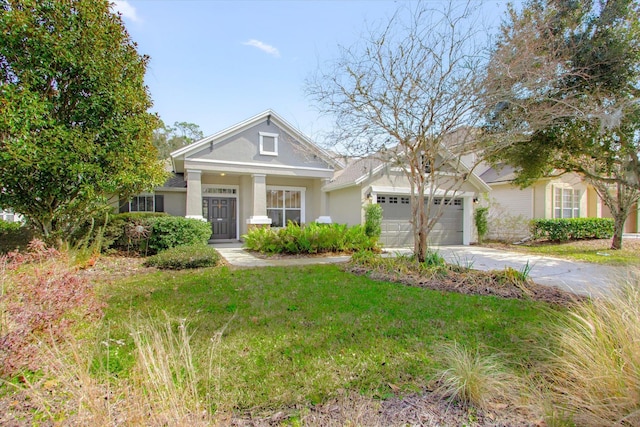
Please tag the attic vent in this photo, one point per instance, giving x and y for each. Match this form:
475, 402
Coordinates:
268, 144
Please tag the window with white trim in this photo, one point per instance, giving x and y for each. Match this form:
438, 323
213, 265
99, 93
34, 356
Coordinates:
7, 215
284, 206
142, 203
268, 144
566, 203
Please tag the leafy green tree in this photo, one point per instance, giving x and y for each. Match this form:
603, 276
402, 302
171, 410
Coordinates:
170, 138
74, 120
564, 86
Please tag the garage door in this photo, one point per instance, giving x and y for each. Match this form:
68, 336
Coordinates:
396, 228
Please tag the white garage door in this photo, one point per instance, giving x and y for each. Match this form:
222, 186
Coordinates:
396, 228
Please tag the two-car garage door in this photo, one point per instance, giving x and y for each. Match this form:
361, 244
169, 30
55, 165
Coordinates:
396, 216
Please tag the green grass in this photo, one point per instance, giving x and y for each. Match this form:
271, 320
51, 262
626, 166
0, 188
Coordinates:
627, 256
301, 335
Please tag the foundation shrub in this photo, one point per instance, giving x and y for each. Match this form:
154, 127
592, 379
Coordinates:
311, 238
373, 220
564, 229
171, 231
184, 257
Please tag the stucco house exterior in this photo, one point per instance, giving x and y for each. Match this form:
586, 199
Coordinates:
261, 171
264, 172
567, 196
371, 180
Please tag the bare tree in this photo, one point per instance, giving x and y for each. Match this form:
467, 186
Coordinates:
409, 94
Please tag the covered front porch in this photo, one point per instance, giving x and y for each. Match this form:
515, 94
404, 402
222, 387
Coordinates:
234, 202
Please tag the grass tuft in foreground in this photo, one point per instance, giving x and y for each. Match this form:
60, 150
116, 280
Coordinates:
595, 369
474, 379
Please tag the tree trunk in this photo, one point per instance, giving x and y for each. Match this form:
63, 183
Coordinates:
618, 228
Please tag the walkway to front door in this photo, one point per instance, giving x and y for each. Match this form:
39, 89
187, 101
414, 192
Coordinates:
221, 213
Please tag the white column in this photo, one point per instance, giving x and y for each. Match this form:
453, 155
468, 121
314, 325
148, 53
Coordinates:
259, 208
194, 194
324, 217
467, 219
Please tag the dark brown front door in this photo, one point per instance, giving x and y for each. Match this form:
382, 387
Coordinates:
221, 213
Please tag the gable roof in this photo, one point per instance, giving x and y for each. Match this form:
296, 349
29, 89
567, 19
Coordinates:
498, 174
359, 170
178, 156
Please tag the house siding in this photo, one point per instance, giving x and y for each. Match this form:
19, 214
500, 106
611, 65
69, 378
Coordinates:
345, 206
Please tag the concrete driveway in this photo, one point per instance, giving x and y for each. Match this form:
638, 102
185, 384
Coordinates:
579, 277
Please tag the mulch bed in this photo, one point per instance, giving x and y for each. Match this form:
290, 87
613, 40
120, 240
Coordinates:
474, 282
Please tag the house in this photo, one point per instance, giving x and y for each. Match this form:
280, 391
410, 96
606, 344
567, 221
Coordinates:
264, 172
376, 181
567, 196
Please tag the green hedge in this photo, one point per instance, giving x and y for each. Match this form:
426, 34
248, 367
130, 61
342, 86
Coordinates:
312, 238
183, 257
171, 231
561, 230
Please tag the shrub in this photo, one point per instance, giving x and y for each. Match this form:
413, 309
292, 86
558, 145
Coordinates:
564, 229
596, 365
14, 236
120, 230
482, 224
171, 231
373, 220
182, 257
312, 238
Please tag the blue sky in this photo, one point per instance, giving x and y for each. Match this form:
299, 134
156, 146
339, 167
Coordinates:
217, 63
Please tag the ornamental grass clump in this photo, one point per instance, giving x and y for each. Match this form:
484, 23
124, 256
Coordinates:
473, 379
595, 365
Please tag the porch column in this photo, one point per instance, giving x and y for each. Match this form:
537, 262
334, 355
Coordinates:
324, 217
259, 208
194, 194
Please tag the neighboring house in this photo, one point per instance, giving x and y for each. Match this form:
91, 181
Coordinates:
370, 180
567, 196
9, 216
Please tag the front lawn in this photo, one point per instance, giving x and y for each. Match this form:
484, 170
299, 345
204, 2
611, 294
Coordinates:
596, 251
302, 335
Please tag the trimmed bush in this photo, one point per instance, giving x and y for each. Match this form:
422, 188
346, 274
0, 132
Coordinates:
373, 220
171, 231
183, 257
562, 230
312, 238
482, 222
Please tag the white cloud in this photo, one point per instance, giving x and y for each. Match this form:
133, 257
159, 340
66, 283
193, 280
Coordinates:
263, 47
127, 11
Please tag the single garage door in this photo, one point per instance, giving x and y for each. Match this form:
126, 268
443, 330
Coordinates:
396, 228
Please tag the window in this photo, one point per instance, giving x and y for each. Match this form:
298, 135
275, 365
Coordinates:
404, 200
284, 206
7, 215
457, 202
268, 144
382, 199
566, 203
142, 203
393, 200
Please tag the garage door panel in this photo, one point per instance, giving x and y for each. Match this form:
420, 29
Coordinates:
396, 228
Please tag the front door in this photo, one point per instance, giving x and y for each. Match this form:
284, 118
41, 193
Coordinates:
221, 213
